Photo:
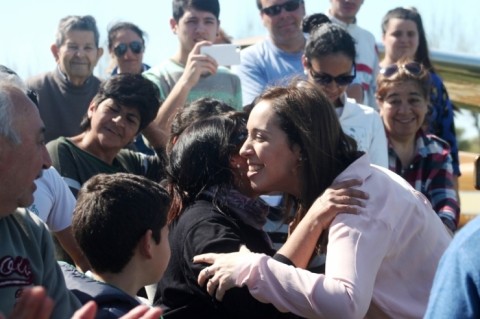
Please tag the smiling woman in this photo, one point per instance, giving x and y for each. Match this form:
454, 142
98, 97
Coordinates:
124, 106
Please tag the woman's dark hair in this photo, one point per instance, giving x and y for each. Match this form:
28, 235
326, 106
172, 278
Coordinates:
197, 110
114, 29
329, 38
422, 54
200, 158
309, 120
313, 21
130, 90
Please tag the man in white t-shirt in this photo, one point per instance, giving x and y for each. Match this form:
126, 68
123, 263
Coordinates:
344, 13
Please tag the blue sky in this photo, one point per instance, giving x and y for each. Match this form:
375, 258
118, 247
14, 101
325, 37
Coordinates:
29, 30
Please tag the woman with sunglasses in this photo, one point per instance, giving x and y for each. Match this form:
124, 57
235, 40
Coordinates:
381, 258
126, 44
422, 159
404, 37
329, 63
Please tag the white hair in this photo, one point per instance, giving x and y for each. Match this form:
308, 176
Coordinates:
8, 82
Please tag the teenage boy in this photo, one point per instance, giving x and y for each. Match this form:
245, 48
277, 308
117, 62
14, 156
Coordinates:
188, 74
120, 224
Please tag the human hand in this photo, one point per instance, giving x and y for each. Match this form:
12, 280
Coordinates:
221, 274
198, 65
34, 303
339, 198
89, 310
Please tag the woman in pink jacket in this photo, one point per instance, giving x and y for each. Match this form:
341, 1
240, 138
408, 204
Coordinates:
380, 261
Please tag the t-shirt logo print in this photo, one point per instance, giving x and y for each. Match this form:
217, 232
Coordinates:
15, 271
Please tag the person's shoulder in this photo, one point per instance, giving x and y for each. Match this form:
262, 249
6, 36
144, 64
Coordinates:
436, 143
112, 302
37, 81
58, 143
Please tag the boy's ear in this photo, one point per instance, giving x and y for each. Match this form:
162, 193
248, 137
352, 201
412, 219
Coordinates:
145, 244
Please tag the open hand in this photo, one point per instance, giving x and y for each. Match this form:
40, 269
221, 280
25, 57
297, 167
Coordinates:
221, 275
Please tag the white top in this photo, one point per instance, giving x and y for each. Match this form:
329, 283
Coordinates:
53, 201
365, 126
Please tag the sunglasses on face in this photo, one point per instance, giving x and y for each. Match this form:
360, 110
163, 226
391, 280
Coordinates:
341, 80
413, 68
136, 47
289, 6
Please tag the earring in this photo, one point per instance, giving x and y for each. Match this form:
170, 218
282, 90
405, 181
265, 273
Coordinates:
305, 71
238, 166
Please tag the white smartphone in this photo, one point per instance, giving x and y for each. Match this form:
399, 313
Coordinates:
224, 54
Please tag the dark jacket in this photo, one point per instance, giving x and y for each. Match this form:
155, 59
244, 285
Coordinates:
203, 228
111, 301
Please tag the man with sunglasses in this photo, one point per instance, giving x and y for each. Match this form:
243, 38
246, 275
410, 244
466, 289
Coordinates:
65, 93
343, 12
279, 56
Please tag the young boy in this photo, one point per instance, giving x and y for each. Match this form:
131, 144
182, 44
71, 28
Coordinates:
188, 74
120, 224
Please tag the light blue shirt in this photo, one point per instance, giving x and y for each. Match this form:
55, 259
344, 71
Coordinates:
262, 65
456, 287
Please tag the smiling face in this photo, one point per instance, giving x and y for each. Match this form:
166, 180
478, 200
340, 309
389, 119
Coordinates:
129, 62
21, 164
336, 64
284, 27
273, 164
78, 55
113, 126
195, 26
403, 110
400, 39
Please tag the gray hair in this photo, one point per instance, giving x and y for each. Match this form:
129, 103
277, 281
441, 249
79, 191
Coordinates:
79, 23
8, 81
6, 113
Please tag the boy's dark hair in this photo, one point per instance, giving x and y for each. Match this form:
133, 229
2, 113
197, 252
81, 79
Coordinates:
180, 6
113, 212
130, 90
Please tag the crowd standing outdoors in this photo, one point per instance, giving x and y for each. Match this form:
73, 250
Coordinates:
153, 179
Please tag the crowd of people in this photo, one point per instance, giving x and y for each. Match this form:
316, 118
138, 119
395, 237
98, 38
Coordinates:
160, 185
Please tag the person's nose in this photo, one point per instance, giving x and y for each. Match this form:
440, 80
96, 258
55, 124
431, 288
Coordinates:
46, 160
245, 150
118, 120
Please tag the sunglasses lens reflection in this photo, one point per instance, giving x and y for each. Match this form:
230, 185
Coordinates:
136, 47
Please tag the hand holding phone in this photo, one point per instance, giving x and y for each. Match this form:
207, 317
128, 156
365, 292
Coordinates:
224, 54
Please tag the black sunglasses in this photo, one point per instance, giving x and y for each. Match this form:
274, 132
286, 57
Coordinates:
121, 49
341, 80
414, 68
289, 6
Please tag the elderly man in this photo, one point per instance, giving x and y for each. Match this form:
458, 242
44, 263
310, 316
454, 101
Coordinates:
279, 56
26, 252
65, 93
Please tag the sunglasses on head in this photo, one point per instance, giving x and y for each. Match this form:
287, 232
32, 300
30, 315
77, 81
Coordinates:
413, 68
341, 80
135, 46
289, 6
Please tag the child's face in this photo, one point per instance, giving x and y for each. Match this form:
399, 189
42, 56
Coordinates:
195, 26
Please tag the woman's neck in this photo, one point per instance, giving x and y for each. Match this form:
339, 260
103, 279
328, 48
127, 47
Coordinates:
405, 149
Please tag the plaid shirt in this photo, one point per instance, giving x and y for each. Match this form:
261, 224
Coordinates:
431, 173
